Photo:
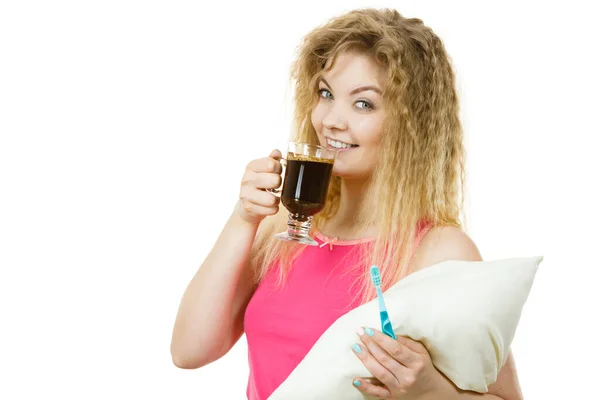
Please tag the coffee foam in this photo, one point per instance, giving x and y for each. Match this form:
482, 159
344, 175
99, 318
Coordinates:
302, 157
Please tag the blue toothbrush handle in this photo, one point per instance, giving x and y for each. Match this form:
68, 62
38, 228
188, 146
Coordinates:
386, 325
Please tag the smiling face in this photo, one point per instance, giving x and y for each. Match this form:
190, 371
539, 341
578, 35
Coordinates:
349, 114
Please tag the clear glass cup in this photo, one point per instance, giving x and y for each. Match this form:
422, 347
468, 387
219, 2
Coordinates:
306, 181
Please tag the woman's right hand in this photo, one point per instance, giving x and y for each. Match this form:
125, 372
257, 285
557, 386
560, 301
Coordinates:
255, 201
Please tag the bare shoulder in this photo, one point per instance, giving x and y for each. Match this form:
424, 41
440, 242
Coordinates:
442, 244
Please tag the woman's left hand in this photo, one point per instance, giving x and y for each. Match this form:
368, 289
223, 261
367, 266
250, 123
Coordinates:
403, 366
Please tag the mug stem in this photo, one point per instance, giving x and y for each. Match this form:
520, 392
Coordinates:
298, 228
299, 225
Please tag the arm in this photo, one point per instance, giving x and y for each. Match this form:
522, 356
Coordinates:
506, 386
210, 316
210, 319
449, 243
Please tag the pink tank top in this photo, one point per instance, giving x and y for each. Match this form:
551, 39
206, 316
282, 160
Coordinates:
281, 326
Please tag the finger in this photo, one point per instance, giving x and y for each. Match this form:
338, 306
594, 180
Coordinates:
376, 345
414, 345
267, 164
256, 209
276, 154
267, 180
261, 198
393, 351
379, 371
369, 389
373, 381
260, 180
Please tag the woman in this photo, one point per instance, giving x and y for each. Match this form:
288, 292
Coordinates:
380, 88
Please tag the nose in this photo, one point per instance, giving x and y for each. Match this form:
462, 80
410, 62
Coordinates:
334, 118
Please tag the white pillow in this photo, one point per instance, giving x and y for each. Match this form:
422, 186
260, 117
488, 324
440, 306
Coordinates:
464, 312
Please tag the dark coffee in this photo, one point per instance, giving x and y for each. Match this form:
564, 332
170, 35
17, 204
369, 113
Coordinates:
305, 184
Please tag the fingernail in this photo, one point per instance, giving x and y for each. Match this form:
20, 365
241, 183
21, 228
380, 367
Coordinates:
356, 348
356, 383
369, 331
360, 331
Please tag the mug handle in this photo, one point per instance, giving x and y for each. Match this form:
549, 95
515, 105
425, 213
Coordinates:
277, 192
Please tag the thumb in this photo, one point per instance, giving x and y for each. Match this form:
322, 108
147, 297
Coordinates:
276, 154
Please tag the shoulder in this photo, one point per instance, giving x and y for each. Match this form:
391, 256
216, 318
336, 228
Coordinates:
441, 244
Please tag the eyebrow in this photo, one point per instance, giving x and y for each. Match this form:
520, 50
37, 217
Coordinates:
358, 89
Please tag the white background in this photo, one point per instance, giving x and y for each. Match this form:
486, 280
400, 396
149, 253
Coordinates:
125, 127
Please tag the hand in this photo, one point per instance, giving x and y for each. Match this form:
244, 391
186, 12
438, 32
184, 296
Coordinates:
255, 202
403, 367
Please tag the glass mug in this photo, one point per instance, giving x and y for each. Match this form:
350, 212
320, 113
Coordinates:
306, 181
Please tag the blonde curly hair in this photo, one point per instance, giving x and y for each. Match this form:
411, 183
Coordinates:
420, 175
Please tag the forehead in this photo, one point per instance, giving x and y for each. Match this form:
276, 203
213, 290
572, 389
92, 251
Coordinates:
352, 68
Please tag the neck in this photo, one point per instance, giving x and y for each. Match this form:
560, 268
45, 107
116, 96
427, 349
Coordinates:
345, 224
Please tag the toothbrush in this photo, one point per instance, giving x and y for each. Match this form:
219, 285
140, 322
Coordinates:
386, 324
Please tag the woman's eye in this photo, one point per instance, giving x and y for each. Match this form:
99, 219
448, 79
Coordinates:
325, 93
364, 105
361, 104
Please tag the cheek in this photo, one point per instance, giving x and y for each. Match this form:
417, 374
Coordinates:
316, 117
370, 130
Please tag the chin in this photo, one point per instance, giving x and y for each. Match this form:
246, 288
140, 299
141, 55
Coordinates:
337, 171
348, 172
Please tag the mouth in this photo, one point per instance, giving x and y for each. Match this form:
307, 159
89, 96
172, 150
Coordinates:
336, 144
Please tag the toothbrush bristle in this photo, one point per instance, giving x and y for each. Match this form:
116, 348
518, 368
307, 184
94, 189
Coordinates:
375, 276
